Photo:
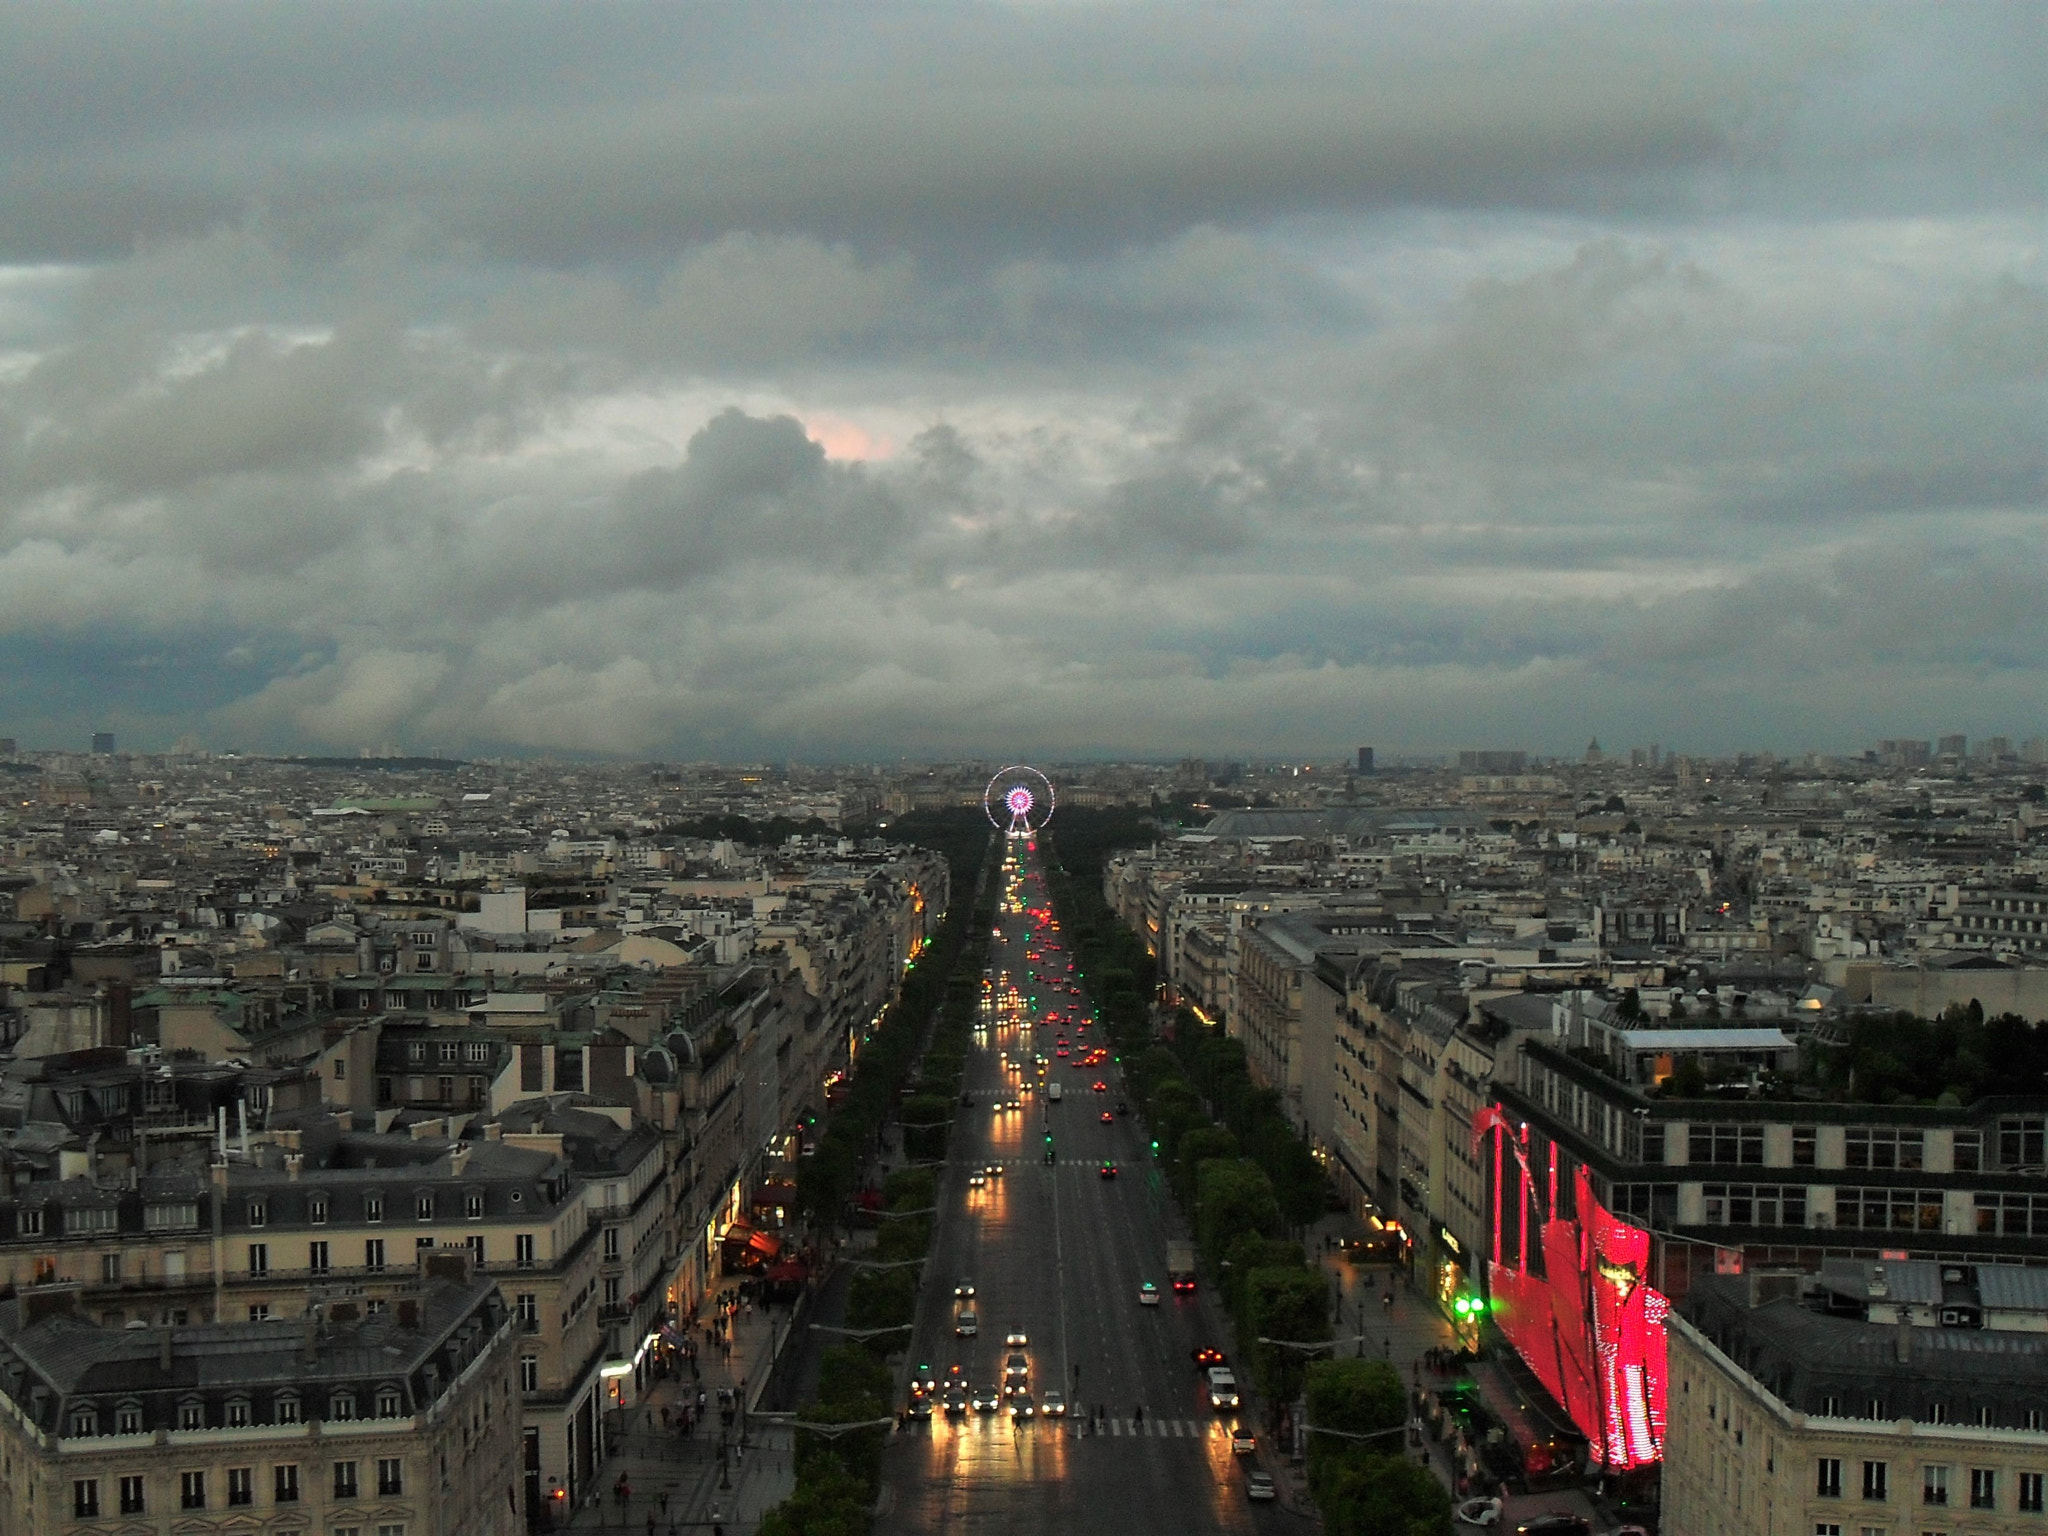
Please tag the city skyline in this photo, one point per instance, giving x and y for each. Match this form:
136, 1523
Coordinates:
918, 381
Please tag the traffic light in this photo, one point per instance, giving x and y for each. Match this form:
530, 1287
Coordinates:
1468, 1306
1155, 1146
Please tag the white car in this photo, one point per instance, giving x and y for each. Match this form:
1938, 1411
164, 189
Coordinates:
1259, 1485
1478, 1512
1017, 1340
1148, 1295
963, 1288
1053, 1405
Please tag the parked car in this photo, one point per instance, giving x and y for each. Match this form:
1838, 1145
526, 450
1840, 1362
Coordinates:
1483, 1512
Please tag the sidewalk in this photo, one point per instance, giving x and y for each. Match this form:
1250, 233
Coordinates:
657, 1460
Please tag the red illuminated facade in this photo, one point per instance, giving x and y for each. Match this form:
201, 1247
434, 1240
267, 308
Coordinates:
1568, 1286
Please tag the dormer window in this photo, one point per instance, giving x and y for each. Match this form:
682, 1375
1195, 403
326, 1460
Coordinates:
259, 1213
416, 1050
316, 1210
238, 1413
31, 1223
423, 1207
85, 1421
373, 1207
287, 1407
473, 1206
447, 1050
128, 1419
192, 1415
390, 1403
341, 1406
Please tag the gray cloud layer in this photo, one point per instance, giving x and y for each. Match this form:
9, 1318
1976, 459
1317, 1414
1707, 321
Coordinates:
638, 380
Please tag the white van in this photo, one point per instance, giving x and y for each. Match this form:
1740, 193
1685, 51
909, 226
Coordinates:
1222, 1389
1052, 1092
966, 1325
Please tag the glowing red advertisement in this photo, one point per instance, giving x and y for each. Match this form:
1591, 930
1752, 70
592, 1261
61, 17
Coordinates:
1577, 1305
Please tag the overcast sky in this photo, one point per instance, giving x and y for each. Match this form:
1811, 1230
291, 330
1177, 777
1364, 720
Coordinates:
1036, 380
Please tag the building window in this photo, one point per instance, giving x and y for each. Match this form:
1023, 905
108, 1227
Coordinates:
390, 1477
529, 1373
1754, 1205
191, 1415
422, 1245
611, 1290
1877, 1480
259, 1312
447, 1053
171, 1216
133, 1501
1934, 1485
2020, 1142
2031, 1501
476, 1249
611, 1245
373, 1253
1866, 1147
477, 1050
344, 1479
522, 1250
2013, 1215
1969, 1151
1828, 1485
341, 1069
284, 1483
1983, 1488
423, 1207
287, 1408
373, 1207
259, 1213
1805, 1146
316, 1256
191, 1490
30, 1223
1725, 1144
391, 1528
85, 1498
1889, 1210
1826, 1528
529, 1311
241, 1485
389, 1404
85, 1421
238, 1413
316, 1211
473, 1207
416, 1050
341, 1406
110, 1268
128, 1419
259, 1258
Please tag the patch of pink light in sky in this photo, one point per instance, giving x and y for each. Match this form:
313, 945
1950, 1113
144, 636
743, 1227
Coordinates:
846, 440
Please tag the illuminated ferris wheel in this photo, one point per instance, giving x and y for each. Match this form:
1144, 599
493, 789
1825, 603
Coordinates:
1018, 800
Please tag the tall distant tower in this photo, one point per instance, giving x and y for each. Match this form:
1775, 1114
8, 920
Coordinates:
1594, 756
1365, 760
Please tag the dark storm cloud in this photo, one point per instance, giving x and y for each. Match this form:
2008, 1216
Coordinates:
547, 134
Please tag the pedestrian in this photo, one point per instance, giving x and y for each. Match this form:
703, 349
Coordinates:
1387, 1349
664, 1418
650, 1523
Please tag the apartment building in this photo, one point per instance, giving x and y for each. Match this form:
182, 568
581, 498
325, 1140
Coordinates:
1908, 1399
401, 1422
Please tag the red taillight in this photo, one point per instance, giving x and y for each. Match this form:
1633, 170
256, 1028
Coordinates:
1183, 1285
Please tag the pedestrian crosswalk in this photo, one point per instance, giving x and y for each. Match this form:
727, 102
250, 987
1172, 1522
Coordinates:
1147, 1429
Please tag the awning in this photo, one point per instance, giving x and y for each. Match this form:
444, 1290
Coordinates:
789, 1272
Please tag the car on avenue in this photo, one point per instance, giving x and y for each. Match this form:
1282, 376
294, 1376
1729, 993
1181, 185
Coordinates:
1481, 1512
1109, 1170
1053, 1405
1557, 1522
1148, 1295
1242, 1441
1259, 1486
